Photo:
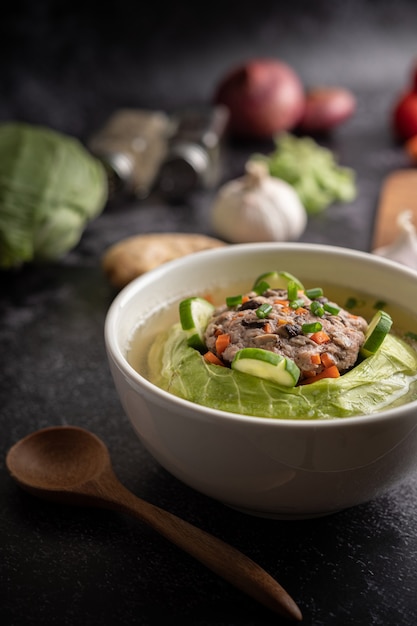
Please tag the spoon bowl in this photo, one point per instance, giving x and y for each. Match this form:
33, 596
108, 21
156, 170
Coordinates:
57, 459
70, 464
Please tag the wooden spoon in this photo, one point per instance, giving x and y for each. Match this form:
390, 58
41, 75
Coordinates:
71, 465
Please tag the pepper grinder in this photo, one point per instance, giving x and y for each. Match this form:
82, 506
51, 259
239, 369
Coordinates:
193, 157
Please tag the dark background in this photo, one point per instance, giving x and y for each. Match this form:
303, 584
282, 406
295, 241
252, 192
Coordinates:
69, 65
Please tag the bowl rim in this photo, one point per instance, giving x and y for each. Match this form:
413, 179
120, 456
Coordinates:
115, 353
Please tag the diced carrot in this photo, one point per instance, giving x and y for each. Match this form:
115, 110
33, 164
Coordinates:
328, 372
211, 358
208, 297
281, 321
301, 310
327, 359
320, 337
315, 359
222, 342
267, 328
283, 302
245, 299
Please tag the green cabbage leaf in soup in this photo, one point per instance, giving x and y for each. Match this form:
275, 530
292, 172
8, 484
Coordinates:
372, 385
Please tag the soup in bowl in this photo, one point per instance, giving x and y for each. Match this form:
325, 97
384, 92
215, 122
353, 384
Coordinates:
286, 448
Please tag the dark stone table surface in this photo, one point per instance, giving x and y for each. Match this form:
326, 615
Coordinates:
69, 65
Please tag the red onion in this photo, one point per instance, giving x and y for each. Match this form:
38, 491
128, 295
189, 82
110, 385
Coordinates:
327, 107
264, 97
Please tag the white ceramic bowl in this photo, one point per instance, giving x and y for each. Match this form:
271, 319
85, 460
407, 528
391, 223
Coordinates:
269, 467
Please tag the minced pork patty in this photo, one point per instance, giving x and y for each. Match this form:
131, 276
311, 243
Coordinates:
281, 332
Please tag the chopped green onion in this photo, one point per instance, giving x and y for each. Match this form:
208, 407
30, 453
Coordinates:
314, 327
234, 300
261, 287
264, 310
314, 293
292, 290
294, 304
317, 308
352, 303
331, 308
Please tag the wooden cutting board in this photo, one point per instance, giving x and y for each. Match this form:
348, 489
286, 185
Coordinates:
398, 194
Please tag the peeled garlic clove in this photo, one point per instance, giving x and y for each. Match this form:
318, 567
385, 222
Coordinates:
404, 248
258, 207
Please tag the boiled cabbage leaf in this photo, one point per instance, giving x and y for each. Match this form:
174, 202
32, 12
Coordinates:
372, 385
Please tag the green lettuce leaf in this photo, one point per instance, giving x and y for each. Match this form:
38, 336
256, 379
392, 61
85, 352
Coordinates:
312, 170
372, 385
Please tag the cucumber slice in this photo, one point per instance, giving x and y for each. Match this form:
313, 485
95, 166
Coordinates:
268, 365
278, 280
194, 317
378, 328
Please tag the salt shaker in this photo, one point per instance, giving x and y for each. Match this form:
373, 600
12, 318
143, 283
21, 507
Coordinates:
132, 145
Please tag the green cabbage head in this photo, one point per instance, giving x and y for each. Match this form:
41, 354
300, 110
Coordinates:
50, 188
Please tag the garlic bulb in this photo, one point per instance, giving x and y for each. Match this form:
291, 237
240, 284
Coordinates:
404, 248
258, 207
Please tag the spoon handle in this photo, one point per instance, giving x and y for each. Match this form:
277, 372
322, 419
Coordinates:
220, 557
